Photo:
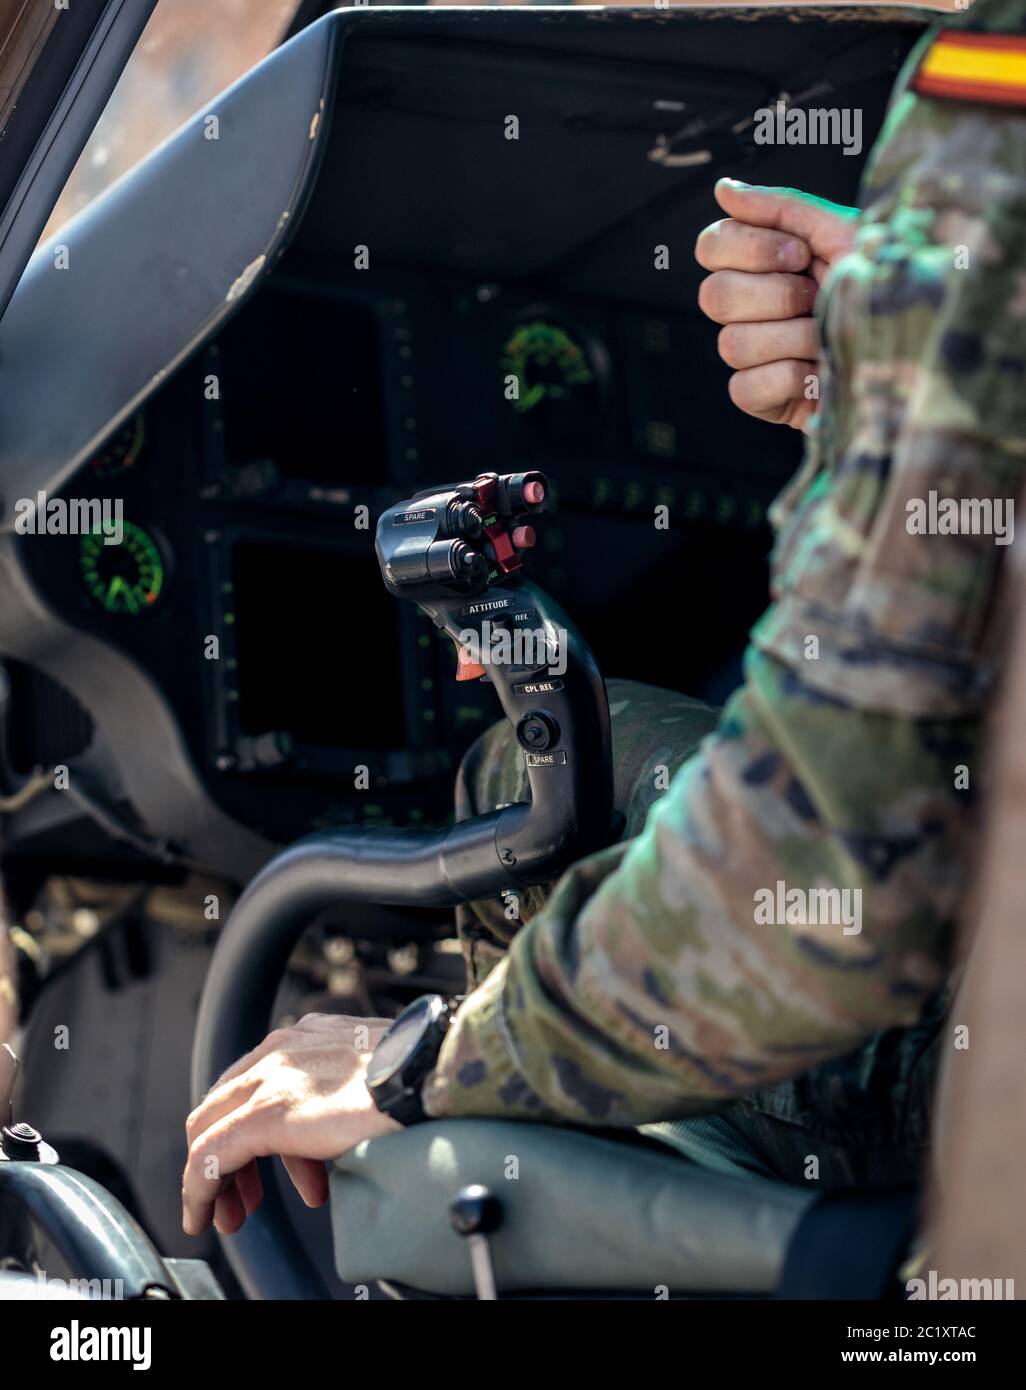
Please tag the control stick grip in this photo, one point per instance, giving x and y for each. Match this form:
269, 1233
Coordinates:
561, 716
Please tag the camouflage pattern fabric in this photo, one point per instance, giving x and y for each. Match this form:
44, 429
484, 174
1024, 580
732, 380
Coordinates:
644, 989
866, 1116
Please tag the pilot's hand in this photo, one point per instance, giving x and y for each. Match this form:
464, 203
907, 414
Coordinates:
300, 1094
768, 257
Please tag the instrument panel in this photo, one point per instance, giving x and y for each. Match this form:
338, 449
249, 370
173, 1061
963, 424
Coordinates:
340, 312
233, 561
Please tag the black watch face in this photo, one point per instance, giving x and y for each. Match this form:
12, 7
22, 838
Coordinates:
397, 1045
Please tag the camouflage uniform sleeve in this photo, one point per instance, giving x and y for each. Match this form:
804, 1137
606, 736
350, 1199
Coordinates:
651, 986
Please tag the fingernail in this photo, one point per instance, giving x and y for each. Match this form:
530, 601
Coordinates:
735, 183
791, 254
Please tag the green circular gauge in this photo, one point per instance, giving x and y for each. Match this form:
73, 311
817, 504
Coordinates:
550, 366
126, 578
123, 448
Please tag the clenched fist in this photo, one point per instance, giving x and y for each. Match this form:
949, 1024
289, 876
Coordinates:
768, 257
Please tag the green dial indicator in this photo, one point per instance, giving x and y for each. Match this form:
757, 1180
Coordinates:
548, 365
126, 578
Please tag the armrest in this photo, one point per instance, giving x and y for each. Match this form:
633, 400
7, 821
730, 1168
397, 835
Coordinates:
581, 1212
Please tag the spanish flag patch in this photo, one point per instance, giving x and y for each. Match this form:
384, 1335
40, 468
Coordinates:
990, 68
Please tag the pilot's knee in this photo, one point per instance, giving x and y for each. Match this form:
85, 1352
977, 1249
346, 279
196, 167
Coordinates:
491, 773
654, 732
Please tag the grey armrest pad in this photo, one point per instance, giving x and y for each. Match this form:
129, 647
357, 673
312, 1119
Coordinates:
582, 1213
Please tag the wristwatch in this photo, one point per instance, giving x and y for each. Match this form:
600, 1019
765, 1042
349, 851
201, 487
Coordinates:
405, 1055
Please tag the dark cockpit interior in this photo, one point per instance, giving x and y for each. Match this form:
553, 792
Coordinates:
523, 209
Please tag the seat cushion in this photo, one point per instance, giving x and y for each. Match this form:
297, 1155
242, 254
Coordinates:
581, 1212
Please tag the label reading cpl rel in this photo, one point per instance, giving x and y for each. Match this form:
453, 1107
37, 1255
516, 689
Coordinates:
529, 688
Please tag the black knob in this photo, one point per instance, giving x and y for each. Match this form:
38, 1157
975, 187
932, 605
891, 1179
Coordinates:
465, 520
21, 1141
448, 560
472, 562
456, 560
537, 731
475, 1211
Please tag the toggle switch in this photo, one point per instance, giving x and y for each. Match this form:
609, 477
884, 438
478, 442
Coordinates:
467, 669
475, 1214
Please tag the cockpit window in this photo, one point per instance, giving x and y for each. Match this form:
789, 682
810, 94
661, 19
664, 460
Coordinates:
189, 51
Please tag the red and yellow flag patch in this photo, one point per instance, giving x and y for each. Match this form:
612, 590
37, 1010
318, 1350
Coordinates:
974, 67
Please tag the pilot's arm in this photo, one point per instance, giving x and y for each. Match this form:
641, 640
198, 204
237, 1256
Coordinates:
680, 970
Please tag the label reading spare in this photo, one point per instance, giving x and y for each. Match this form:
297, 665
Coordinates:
411, 517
